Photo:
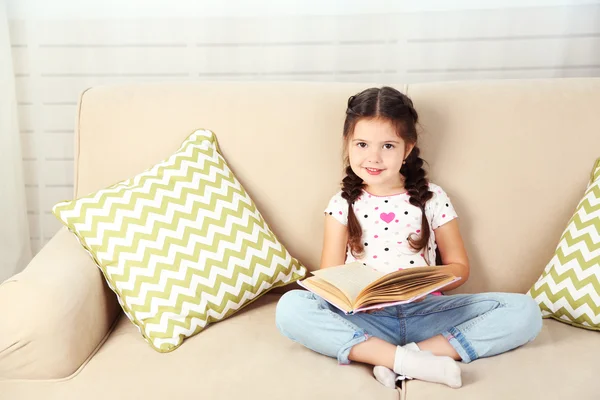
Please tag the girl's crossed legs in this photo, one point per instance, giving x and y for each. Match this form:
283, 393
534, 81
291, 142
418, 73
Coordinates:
465, 326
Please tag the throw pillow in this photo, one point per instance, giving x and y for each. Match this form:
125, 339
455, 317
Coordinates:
569, 288
182, 244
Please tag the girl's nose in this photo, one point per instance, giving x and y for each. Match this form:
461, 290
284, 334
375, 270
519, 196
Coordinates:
375, 156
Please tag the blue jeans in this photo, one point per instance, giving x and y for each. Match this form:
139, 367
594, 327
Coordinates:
476, 325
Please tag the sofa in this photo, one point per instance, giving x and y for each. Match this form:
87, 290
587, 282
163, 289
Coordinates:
514, 155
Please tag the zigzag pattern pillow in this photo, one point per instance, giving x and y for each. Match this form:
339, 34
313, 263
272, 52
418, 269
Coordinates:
181, 244
569, 288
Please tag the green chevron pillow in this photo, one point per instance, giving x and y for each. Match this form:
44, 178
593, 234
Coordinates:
569, 288
181, 244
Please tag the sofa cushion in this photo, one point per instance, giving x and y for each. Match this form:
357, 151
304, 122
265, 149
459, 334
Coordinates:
561, 363
243, 357
569, 288
181, 244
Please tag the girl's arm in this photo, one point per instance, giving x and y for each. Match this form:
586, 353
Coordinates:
334, 243
453, 253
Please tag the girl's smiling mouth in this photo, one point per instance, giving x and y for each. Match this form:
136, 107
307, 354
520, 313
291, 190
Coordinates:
373, 171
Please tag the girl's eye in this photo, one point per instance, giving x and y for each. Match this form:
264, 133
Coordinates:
361, 144
388, 146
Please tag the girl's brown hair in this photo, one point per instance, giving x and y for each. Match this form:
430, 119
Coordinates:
389, 104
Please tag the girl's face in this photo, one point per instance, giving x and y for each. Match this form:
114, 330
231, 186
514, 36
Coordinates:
376, 153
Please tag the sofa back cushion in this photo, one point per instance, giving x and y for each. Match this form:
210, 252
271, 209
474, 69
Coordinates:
513, 155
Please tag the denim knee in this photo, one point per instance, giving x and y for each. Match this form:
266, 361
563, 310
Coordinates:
289, 310
528, 317
305, 318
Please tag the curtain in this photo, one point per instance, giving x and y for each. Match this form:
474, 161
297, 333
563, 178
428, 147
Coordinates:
15, 250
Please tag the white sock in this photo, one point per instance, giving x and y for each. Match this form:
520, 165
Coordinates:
427, 367
386, 376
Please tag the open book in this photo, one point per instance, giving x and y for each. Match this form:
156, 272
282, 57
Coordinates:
355, 287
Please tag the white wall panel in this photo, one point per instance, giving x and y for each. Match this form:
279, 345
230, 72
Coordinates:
111, 60
58, 118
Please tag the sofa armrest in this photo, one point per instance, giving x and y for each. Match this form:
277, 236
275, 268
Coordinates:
55, 313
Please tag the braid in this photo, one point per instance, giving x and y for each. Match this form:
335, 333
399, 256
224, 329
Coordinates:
352, 186
417, 186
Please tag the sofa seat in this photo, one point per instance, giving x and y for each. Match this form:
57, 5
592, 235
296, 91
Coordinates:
242, 357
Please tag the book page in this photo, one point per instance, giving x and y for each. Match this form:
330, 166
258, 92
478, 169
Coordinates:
405, 275
350, 278
328, 292
406, 292
386, 302
404, 285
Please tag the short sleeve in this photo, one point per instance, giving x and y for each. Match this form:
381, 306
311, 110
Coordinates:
442, 208
338, 208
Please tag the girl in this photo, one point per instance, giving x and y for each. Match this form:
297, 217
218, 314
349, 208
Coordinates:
389, 216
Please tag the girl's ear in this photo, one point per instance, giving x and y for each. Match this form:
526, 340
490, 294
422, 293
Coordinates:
408, 150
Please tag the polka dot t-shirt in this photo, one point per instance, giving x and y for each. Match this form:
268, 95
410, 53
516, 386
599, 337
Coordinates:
387, 222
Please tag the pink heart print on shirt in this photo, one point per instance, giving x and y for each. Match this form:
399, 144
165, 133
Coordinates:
387, 217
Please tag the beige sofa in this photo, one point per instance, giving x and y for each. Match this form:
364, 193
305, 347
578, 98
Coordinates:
514, 156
